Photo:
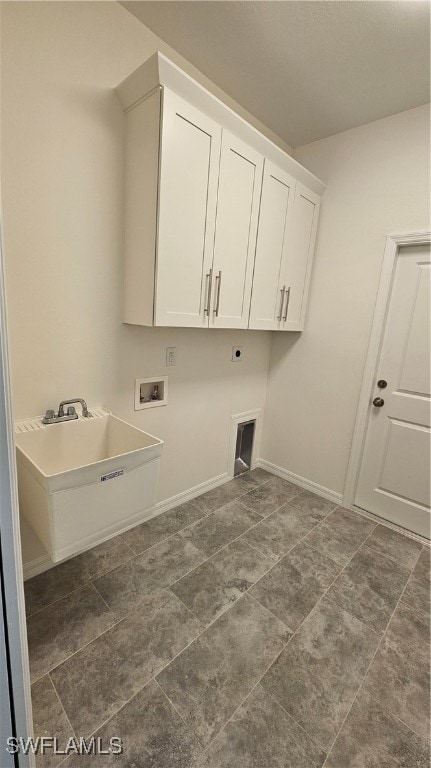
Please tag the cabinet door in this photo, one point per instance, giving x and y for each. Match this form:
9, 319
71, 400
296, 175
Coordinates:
300, 257
235, 237
189, 164
276, 207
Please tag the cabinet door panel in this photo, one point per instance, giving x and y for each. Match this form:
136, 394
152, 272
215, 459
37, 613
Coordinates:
235, 238
270, 264
300, 256
189, 164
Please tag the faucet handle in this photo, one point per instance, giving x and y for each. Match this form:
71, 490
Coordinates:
71, 410
50, 414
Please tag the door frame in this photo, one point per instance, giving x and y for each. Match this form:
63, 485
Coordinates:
393, 245
11, 575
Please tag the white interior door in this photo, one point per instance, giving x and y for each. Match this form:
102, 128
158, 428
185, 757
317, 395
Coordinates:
394, 481
189, 166
236, 228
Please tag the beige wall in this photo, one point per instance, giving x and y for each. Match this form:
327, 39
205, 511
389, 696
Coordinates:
62, 143
62, 150
378, 183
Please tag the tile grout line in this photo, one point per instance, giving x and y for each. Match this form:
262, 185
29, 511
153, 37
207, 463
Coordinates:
152, 677
134, 554
413, 607
61, 704
132, 551
246, 697
396, 717
207, 627
391, 559
102, 598
299, 627
240, 537
84, 583
184, 575
303, 540
121, 618
272, 564
225, 546
366, 673
187, 727
316, 743
51, 669
286, 644
292, 631
159, 671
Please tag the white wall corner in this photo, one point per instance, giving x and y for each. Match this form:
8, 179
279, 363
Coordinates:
302, 482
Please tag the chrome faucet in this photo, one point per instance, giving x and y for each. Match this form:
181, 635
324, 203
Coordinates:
51, 417
85, 412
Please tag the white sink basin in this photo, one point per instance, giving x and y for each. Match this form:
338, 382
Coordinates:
81, 482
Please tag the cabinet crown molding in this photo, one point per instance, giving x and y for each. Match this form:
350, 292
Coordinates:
158, 71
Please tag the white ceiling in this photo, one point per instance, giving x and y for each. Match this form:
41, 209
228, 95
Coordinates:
307, 69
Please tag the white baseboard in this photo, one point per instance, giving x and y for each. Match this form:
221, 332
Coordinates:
308, 485
36, 566
191, 493
44, 562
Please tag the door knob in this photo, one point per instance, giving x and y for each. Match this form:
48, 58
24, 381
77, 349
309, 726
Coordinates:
382, 384
378, 402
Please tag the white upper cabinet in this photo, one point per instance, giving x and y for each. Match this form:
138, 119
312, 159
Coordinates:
269, 284
206, 245
189, 171
300, 251
284, 252
235, 236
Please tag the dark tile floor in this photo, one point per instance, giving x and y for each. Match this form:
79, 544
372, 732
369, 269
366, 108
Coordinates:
255, 627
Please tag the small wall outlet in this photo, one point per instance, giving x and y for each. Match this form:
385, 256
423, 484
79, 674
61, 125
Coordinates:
171, 355
237, 354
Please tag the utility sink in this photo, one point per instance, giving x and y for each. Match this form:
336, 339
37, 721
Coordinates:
81, 482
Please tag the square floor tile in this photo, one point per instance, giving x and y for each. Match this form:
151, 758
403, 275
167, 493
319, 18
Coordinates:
280, 531
223, 526
98, 680
57, 582
316, 506
144, 536
292, 588
153, 736
270, 496
389, 543
372, 737
399, 677
340, 534
262, 735
418, 590
64, 627
213, 586
370, 587
218, 497
317, 676
49, 719
158, 567
211, 678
